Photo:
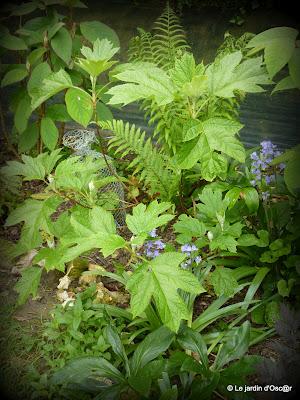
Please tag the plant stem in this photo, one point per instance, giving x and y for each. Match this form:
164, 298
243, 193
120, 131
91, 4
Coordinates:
5, 134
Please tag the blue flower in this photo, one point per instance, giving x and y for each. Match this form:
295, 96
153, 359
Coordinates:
198, 260
155, 253
159, 244
149, 253
282, 166
254, 156
153, 233
265, 195
186, 248
269, 179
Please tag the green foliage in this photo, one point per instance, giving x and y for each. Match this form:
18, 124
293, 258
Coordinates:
36, 216
162, 47
32, 168
223, 281
97, 61
144, 219
158, 174
193, 107
291, 176
188, 228
93, 30
161, 278
49, 64
49, 133
226, 234
28, 284
77, 330
145, 81
241, 75
79, 105
279, 49
97, 375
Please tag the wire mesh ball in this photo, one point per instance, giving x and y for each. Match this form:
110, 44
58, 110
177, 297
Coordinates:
80, 141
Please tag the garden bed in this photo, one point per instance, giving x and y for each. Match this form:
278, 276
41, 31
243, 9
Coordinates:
157, 263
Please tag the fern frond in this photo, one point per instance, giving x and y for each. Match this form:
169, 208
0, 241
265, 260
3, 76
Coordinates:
169, 40
167, 122
141, 47
155, 169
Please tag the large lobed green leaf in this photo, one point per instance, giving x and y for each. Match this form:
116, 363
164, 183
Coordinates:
36, 217
143, 81
213, 134
144, 219
230, 73
188, 228
33, 167
161, 278
92, 229
223, 281
97, 59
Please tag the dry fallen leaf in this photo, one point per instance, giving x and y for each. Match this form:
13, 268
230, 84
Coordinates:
64, 282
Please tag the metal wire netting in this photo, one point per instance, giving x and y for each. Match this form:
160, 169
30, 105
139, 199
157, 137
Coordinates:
80, 141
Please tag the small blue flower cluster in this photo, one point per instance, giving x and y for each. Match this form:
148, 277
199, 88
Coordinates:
260, 166
152, 248
190, 250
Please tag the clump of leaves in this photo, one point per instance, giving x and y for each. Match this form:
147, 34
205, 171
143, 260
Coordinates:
47, 47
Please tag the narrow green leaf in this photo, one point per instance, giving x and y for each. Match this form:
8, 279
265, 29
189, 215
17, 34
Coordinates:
13, 76
251, 198
151, 347
38, 74
22, 114
235, 347
28, 139
87, 370
192, 340
256, 282
49, 133
61, 43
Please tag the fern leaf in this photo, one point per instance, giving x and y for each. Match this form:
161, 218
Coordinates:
141, 47
169, 40
155, 170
